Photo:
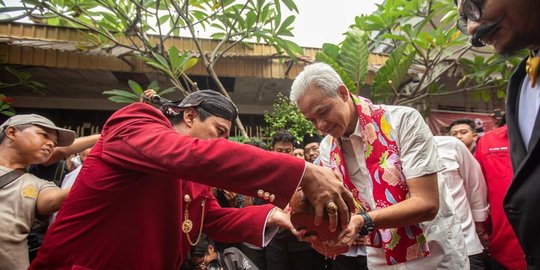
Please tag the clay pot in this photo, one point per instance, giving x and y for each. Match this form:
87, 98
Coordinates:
302, 216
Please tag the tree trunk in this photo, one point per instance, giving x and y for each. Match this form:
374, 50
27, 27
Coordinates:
224, 92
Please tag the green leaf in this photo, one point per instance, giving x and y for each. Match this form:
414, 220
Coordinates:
331, 50
354, 56
120, 99
285, 25
135, 87
167, 91
191, 62
11, 9
250, 19
8, 113
53, 21
322, 57
174, 59
122, 93
290, 5
391, 74
163, 19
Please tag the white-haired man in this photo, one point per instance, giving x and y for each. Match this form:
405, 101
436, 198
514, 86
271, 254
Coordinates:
388, 159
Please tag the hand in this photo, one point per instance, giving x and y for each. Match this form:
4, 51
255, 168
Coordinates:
229, 195
147, 95
281, 219
322, 186
349, 236
481, 231
484, 239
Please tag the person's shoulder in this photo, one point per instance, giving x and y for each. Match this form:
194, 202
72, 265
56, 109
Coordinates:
40, 183
450, 141
137, 109
402, 111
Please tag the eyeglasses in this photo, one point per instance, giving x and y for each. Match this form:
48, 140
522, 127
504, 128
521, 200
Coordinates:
470, 11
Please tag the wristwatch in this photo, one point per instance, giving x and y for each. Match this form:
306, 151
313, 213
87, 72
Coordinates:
369, 226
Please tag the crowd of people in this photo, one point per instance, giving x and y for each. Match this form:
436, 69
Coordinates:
164, 188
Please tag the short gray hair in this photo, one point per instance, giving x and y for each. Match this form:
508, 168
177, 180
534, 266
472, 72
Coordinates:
319, 75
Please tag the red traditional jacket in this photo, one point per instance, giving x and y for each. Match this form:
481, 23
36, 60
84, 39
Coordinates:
125, 209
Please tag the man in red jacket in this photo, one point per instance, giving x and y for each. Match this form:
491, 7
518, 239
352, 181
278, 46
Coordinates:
493, 154
130, 207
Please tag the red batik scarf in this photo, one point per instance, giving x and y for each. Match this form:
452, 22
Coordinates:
388, 183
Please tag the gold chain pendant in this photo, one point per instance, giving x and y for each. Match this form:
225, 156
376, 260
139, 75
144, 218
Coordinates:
187, 225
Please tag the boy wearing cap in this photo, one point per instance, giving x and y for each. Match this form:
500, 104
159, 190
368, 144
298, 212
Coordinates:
311, 146
140, 189
26, 140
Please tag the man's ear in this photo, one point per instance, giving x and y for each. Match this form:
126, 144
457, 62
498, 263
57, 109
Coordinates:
189, 115
343, 92
10, 133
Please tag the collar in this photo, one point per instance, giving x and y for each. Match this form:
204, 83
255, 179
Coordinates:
357, 132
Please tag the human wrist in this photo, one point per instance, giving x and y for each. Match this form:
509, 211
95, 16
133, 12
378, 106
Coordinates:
367, 224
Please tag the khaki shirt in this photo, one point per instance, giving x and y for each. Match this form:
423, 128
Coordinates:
17, 213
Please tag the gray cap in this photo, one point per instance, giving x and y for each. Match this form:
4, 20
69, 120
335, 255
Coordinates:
65, 136
210, 100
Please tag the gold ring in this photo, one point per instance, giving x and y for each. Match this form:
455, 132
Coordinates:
331, 208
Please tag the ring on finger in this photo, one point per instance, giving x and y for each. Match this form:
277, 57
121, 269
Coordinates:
331, 208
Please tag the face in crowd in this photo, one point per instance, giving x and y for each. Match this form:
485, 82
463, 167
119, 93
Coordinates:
465, 134
298, 152
283, 147
34, 144
311, 151
508, 25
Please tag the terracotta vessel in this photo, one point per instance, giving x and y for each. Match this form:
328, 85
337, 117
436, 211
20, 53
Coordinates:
302, 216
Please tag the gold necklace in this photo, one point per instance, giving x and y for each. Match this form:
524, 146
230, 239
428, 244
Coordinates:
187, 225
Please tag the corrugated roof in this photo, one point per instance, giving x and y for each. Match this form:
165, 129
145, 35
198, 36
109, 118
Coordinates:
31, 44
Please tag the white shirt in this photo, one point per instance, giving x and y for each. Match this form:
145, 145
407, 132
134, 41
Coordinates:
465, 181
418, 158
529, 102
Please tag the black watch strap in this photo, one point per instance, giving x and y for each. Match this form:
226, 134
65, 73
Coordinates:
369, 226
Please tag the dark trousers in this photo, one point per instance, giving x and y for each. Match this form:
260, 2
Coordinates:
277, 259
479, 261
350, 263
255, 255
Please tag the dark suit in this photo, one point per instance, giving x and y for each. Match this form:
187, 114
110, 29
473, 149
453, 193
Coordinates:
522, 201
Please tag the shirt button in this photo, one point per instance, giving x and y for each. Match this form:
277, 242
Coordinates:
187, 198
260, 193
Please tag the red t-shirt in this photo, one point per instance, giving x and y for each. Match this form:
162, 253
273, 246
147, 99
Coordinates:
124, 210
493, 154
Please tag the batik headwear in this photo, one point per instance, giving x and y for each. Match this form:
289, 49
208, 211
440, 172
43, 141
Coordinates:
209, 100
65, 136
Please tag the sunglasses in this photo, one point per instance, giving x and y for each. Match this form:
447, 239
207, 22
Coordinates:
469, 11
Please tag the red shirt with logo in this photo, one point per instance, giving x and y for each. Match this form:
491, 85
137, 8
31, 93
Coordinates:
493, 154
